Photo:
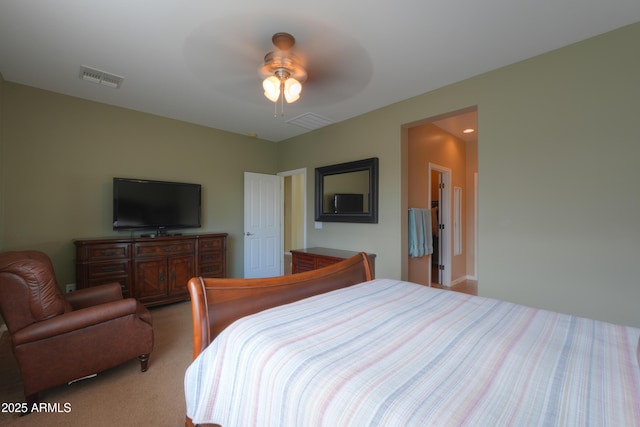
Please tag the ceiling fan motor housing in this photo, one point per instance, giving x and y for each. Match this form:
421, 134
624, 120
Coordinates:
283, 41
282, 62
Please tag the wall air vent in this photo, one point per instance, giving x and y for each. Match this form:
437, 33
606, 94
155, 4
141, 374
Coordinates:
101, 77
310, 121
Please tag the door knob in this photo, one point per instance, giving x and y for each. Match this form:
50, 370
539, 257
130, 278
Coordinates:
248, 234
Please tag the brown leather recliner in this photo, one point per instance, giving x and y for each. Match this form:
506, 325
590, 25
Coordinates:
58, 337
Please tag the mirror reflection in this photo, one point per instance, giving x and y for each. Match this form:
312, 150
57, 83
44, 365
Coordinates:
348, 192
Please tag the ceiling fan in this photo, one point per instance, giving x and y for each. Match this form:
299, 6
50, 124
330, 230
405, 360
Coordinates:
282, 72
336, 67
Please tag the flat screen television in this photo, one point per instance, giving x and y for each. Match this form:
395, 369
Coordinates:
348, 203
155, 205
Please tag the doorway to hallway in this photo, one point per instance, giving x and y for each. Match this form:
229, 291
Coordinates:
440, 141
294, 214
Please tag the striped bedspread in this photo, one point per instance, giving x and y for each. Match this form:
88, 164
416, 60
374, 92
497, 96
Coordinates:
392, 353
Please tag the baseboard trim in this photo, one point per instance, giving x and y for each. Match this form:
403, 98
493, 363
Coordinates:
458, 280
462, 279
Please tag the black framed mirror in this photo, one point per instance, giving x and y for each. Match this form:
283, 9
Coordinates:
348, 192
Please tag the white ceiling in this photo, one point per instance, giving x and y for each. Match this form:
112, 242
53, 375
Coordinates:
198, 60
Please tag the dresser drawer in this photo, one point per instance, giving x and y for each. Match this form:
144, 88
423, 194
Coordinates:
105, 251
164, 248
210, 257
212, 243
303, 263
324, 262
212, 270
108, 268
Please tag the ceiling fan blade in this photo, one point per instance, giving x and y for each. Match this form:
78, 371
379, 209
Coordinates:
338, 67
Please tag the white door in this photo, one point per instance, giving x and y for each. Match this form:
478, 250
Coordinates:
262, 225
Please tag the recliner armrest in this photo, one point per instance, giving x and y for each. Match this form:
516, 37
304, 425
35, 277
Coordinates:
94, 295
74, 320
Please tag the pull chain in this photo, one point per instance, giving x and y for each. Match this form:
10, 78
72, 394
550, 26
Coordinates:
275, 104
281, 98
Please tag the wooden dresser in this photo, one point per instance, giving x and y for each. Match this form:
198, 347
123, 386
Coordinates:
314, 258
153, 270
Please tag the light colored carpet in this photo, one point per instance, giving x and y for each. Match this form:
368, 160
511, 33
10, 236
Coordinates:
122, 396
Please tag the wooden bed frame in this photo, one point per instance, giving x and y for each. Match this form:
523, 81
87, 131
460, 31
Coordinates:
216, 303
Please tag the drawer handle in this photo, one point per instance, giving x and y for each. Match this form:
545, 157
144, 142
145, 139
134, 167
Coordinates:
109, 269
169, 248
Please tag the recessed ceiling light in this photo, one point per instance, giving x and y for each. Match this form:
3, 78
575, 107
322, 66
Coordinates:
468, 130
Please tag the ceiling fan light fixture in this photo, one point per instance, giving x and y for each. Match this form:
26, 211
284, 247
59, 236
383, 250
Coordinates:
282, 72
292, 90
271, 86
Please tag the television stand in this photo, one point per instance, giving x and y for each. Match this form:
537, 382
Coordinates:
153, 270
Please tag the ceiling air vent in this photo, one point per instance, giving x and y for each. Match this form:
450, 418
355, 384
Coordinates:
101, 77
310, 121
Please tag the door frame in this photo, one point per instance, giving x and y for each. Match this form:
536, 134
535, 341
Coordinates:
303, 172
475, 226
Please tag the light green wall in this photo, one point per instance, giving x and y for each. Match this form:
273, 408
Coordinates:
558, 154
61, 153
355, 139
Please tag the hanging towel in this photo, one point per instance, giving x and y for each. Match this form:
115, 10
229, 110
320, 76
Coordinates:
413, 233
427, 231
420, 239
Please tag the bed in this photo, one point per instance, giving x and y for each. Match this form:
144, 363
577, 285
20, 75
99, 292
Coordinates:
336, 347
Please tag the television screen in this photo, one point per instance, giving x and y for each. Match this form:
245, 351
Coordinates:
160, 205
348, 203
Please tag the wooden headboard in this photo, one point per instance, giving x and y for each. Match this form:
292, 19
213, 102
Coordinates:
216, 303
